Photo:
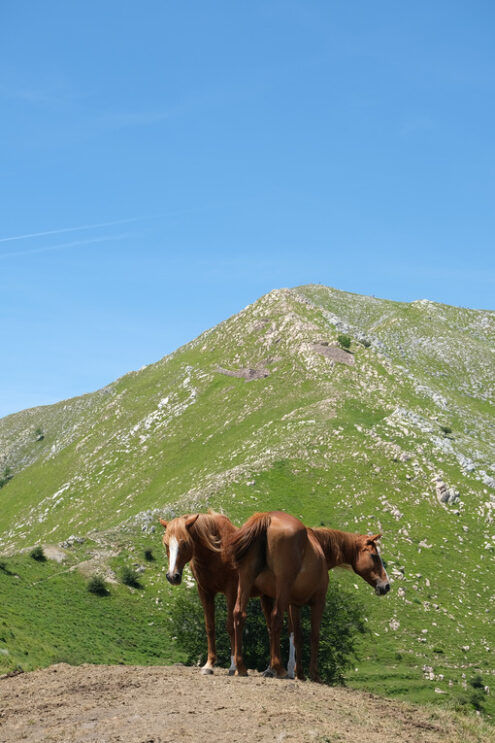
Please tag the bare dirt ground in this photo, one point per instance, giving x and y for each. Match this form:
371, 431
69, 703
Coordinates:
106, 704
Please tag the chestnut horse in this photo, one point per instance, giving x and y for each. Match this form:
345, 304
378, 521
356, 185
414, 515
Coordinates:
278, 557
201, 539
198, 539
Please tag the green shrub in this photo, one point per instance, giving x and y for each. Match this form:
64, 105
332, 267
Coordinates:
342, 622
472, 698
446, 430
345, 341
6, 476
38, 554
148, 555
129, 577
98, 586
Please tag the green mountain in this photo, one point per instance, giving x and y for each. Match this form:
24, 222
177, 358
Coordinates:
265, 411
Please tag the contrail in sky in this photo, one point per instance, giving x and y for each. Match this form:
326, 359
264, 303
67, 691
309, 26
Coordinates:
68, 229
60, 246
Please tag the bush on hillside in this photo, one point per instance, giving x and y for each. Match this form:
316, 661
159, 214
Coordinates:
472, 698
38, 554
342, 623
98, 586
129, 577
148, 555
345, 341
6, 476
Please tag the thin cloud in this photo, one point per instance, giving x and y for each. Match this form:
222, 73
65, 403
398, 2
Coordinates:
67, 229
63, 246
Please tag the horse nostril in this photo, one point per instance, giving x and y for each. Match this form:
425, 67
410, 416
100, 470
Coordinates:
387, 588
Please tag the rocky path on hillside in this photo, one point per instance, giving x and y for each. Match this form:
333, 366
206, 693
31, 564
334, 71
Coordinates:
125, 704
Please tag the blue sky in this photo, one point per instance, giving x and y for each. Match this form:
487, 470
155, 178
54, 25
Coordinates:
164, 164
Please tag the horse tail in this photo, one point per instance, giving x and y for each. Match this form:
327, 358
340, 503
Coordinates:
251, 536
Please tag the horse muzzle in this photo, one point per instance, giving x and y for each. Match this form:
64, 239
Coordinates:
382, 588
174, 579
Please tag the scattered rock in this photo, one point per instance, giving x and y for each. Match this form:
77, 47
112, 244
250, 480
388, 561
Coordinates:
445, 495
71, 541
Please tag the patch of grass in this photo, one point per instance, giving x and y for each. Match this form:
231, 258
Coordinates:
48, 615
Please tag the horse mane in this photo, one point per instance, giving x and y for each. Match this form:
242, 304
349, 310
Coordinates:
208, 529
253, 532
337, 545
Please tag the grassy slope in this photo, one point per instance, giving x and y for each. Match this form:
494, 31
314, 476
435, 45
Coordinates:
351, 446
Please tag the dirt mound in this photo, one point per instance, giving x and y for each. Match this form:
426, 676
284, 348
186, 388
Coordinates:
174, 703
334, 353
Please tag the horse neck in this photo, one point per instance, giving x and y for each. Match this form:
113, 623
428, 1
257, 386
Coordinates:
339, 547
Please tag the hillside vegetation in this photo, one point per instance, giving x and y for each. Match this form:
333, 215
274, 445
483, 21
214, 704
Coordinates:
265, 411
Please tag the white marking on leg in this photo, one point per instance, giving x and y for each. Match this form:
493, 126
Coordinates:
291, 666
207, 669
233, 666
174, 550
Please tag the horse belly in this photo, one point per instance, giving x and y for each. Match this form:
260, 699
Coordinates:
265, 583
310, 580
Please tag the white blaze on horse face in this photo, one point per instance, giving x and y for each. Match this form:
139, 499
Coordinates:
174, 550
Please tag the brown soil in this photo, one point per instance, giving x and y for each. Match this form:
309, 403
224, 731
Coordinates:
106, 704
334, 353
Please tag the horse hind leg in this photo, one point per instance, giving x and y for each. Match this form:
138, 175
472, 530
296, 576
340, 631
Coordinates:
281, 604
295, 653
247, 573
267, 606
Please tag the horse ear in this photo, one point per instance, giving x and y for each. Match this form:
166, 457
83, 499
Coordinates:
372, 540
191, 520
164, 523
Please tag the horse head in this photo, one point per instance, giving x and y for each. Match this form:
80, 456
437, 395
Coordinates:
178, 544
368, 564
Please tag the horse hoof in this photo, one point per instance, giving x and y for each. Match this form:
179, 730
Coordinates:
231, 672
207, 671
268, 674
240, 673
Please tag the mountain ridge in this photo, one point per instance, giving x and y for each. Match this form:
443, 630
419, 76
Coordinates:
266, 411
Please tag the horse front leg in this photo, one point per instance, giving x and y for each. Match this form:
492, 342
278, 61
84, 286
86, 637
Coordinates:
231, 597
208, 602
316, 613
